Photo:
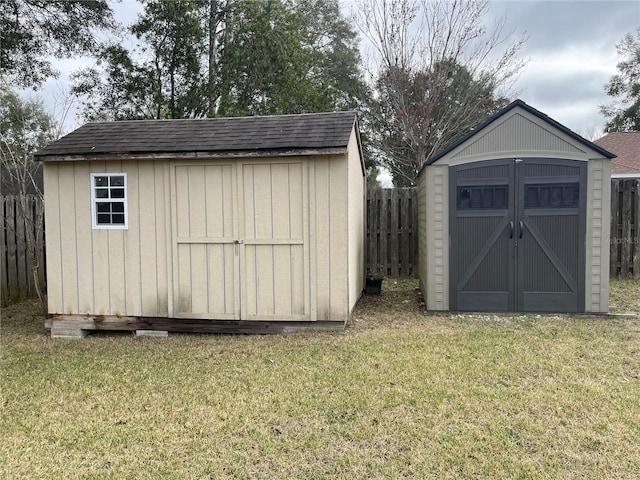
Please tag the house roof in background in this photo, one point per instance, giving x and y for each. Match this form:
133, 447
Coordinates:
626, 145
206, 135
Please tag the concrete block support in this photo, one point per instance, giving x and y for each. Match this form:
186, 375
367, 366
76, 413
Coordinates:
152, 333
66, 332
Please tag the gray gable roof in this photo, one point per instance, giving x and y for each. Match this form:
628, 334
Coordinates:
516, 103
214, 135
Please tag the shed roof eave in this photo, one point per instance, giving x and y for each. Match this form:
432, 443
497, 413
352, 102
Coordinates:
132, 156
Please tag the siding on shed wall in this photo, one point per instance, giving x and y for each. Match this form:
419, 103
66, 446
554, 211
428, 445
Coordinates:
597, 238
106, 272
422, 232
356, 220
437, 235
329, 247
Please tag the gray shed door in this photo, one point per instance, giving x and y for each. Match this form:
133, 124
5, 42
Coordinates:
517, 235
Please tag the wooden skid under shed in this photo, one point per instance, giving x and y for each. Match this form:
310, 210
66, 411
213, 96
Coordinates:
186, 325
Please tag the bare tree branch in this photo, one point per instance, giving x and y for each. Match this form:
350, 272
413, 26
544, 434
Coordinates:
439, 71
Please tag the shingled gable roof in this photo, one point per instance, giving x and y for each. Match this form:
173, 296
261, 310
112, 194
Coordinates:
518, 103
327, 132
626, 145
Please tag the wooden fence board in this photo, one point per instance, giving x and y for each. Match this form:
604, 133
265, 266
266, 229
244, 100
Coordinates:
394, 206
636, 232
392, 232
4, 280
12, 266
625, 228
614, 246
22, 247
627, 204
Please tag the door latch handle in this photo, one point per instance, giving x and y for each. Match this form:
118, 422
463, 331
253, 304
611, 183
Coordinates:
238, 242
511, 229
521, 229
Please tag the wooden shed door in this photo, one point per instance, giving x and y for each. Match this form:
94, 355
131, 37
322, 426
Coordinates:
274, 267
517, 235
205, 229
239, 241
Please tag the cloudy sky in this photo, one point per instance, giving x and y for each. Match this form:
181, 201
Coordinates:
572, 54
570, 47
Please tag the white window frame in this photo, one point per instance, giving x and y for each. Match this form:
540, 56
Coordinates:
95, 200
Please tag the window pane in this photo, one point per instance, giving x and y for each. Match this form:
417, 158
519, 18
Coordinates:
531, 197
118, 218
117, 181
464, 198
476, 198
570, 196
500, 197
544, 196
102, 193
104, 218
103, 207
487, 198
117, 207
552, 196
101, 181
117, 193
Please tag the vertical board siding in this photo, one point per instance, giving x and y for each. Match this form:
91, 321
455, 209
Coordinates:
339, 240
356, 221
106, 272
82, 211
321, 232
392, 232
422, 233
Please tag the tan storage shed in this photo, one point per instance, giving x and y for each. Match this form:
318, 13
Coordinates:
515, 217
252, 224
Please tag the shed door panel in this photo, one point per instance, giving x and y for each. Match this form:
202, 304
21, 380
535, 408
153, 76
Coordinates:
551, 243
481, 228
206, 259
273, 263
527, 254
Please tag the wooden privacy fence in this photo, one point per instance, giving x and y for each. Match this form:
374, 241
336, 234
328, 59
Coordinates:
392, 232
625, 228
21, 247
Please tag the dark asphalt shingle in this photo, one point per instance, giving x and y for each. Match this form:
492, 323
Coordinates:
317, 130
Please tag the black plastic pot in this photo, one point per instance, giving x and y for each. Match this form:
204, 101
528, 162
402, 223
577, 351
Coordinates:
373, 285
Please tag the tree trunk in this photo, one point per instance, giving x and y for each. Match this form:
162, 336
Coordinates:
213, 63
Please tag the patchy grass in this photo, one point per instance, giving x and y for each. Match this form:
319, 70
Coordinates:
624, 296
397, 394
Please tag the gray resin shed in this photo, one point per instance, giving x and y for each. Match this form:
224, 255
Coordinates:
515, 217
252, 224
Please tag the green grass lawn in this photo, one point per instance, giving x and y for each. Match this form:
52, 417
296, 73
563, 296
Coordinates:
398, 394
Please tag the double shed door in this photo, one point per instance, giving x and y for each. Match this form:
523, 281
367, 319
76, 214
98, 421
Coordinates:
239, 242
517, 235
